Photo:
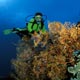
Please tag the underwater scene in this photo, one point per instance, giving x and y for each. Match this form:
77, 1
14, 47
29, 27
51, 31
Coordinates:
40, 40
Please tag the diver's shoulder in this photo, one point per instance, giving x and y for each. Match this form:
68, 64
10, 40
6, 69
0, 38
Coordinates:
32, 20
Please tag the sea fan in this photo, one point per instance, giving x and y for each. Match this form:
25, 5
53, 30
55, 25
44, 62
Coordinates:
47, 56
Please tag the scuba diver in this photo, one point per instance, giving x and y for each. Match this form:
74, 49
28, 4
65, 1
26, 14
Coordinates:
36, 24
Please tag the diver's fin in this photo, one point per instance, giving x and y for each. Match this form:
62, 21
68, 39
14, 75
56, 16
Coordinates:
7, 31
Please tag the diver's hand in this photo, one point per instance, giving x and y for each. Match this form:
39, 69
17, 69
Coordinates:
34, 33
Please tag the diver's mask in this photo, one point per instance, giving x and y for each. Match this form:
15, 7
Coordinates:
38, 18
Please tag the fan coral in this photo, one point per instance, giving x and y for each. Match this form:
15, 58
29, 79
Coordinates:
47, 56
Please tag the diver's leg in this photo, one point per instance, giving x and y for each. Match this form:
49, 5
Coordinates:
15, 30
22, 33
27, 33
19, 34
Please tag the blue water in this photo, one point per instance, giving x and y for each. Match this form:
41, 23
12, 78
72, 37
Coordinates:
13, 13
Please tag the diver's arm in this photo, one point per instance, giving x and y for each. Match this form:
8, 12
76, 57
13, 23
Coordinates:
29, 26
44, 29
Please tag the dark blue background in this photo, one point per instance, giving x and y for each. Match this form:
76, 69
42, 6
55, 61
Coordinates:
13, 13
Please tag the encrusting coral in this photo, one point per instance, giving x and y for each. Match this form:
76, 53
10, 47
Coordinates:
47, 56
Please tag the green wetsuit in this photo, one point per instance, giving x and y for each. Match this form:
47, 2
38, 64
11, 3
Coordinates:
35, 26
